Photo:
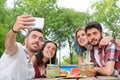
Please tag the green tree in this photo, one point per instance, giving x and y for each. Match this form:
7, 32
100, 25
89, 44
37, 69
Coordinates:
66, 60
107, 12
66, 20
56, 19
4, 24
21, 7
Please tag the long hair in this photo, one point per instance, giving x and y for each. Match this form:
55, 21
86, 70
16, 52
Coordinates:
40, 56
78, 29
77, 47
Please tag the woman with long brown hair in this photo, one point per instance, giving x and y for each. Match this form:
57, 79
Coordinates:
47, 51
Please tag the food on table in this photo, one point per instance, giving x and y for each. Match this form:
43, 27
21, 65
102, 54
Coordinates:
63, 72
75, 71
90, 73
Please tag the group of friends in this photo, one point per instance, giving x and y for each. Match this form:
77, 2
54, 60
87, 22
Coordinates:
28, 61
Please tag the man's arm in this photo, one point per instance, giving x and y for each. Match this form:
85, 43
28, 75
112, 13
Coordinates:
21, 23
10, 43
110, 56
107, 69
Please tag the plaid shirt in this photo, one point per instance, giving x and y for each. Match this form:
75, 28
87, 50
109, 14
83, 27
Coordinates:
110, 52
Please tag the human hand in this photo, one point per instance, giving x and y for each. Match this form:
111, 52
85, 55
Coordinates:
96, 69
105, 41
90, 73
23, 21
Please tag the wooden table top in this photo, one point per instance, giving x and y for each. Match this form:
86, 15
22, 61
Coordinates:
84, 78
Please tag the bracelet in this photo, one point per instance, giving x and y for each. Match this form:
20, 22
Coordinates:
14, 30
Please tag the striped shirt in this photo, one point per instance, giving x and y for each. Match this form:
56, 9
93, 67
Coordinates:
110, 52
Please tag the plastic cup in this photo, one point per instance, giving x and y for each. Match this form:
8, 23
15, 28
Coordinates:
87, 69
83, 69
52, 71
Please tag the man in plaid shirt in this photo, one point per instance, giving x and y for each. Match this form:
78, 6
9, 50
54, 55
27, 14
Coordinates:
106, 58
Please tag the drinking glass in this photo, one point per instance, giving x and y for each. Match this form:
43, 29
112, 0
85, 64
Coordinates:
52, 71
83, 69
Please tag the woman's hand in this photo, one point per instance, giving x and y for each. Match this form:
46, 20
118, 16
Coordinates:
105, 41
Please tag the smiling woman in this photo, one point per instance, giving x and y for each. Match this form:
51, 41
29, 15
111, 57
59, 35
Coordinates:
47, 52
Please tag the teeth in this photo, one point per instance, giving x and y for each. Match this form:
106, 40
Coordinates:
49, 54
82, 41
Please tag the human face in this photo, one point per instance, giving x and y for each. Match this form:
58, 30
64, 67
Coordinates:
49, 50
94, 36
82, 38
33, 42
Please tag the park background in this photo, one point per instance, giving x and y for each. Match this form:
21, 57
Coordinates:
60, 21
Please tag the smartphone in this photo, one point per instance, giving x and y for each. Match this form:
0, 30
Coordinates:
39, 23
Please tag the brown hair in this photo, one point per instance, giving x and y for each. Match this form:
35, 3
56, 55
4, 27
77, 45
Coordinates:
78, 29
93, 25
40, 56
39, 30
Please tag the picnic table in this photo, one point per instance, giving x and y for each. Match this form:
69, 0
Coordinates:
83, 78
69, 69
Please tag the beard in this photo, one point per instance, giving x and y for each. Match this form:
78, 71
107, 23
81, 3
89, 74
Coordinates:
96, 45
32, 49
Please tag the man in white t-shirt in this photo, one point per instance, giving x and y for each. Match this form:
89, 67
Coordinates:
17, 61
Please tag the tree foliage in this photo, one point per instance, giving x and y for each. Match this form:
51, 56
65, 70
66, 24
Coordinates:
66, 60
107, 12
60, 23
4, 21
56, 20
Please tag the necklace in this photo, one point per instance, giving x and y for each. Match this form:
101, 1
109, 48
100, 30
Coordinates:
27, 56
